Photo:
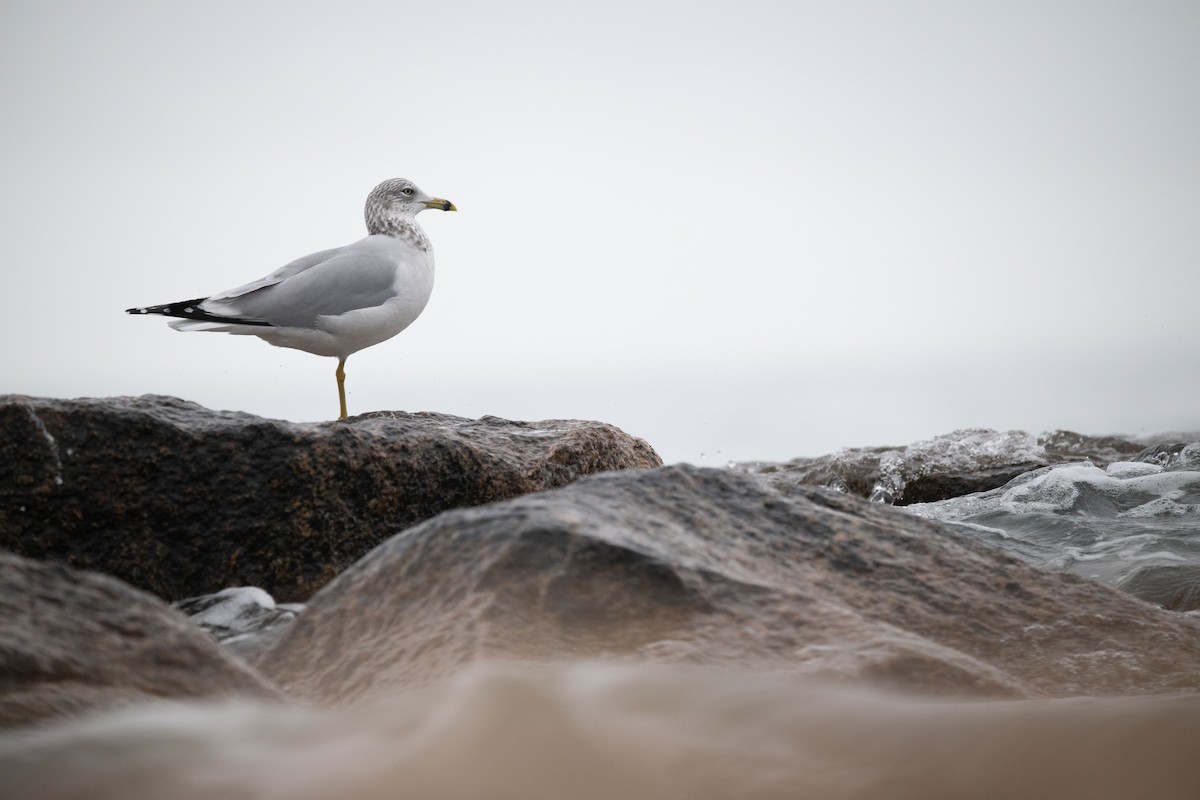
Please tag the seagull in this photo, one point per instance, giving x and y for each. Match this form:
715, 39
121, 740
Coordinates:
335, 302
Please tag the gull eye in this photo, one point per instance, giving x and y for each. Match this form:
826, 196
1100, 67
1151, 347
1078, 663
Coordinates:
408, 190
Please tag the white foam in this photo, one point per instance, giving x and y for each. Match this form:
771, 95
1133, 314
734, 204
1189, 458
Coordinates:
234, 606
1132, 469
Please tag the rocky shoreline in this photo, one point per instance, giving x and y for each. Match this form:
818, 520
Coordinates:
419, 544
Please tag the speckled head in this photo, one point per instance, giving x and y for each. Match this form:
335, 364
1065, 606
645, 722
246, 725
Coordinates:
392, 205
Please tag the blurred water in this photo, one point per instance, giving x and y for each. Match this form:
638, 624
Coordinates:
1112, 524
588, 731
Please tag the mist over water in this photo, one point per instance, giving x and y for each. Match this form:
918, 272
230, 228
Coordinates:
587, 730
774, 408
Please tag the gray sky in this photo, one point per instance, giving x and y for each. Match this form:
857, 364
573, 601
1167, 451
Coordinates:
738, 230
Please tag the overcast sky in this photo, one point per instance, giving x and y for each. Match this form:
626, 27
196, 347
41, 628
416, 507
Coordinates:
739, 230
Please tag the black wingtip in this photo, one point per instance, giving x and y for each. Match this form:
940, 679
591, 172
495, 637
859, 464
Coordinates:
190, 309
184, 308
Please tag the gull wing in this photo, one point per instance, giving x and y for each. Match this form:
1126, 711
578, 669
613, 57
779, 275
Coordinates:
329, 283
279, 275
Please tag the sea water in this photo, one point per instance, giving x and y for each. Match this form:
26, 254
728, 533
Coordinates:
1128, 521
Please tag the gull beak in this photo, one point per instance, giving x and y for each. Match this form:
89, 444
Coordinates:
440, 204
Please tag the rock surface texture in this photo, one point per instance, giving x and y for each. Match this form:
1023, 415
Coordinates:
690, 565
179, 500
75, 641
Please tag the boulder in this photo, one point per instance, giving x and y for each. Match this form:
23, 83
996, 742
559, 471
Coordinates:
181, 501
956, 463
704, 566
1065, 447
950, 465
74, 641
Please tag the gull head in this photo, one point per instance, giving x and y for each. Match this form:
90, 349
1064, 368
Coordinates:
398, 199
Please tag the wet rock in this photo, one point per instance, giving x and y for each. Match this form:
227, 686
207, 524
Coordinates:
943, 467
854, 470
925, 488
74, 641
953, 464
691, 565
1172, 455
1064, 447
180, 500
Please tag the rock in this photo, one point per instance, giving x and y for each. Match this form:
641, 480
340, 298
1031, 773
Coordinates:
925, 488
953, 464
75, 641
691, 565
180, 500
1173, 455
854, 470
943, 467
1064, 447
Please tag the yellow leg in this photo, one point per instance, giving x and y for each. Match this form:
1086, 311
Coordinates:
341, 379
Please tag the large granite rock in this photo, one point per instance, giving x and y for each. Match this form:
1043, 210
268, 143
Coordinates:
180, 500
75, 641
691, 565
